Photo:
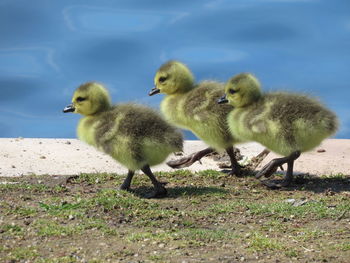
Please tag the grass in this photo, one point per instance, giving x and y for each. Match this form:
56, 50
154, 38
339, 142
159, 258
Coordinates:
316, 209
12, 229
48, 228
20, 253
191, 236
94, 179
207, 216
343, 246
260, 242
25, 187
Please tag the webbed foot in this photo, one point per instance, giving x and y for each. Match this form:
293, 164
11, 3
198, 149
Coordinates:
276, 185
159, 189
123, 187
236, 171
189, 160
272, 166
181, 163
268, 170
158, 192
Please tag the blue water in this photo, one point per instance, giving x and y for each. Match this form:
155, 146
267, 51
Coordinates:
48, 48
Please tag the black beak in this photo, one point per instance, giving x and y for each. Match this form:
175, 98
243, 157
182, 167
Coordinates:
69, 108
222, 100
154, 91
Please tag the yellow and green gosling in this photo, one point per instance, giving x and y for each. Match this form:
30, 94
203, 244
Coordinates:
134, 135
285, 123
194, 107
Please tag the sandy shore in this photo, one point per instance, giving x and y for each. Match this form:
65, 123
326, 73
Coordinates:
22, 156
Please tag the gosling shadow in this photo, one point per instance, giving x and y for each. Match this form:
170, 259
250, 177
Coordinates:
316, 184
179, 191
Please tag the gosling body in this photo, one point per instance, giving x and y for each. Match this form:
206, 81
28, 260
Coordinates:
194, 107
134, 135
197, 110
285, 123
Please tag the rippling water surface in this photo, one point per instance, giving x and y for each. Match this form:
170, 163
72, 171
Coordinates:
48, 48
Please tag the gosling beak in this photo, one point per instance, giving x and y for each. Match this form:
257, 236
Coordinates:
222, 100
154, 91
69, 108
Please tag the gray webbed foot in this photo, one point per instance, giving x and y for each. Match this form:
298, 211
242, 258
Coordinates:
189, 160
236, 171
181, 163
272, 166
268, 170
276, 185
123, 187
159, 189
158, 192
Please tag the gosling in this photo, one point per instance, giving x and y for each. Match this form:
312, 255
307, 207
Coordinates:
194, 107
134, 135
285, 123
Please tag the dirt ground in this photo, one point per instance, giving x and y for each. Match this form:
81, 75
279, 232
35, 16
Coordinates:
206, 217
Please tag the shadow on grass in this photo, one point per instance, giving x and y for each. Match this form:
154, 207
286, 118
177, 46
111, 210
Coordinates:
182, 191
195, 191
316, 184
245, 172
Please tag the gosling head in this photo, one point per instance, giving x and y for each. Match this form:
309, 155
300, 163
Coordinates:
241, 90
172, 77
89, 99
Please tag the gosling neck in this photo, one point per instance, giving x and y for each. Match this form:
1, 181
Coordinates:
183, 90
103, 108
251, 100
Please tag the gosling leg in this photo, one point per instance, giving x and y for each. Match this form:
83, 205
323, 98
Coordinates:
235, 166
127, 182
189, 160
278, 162
289, 175
159, 189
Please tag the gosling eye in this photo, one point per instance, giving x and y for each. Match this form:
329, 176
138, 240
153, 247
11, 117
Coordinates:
80, 99
162, 79
232, 91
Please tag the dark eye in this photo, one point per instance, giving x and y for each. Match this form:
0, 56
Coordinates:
80, 99
232, 91
162, 79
